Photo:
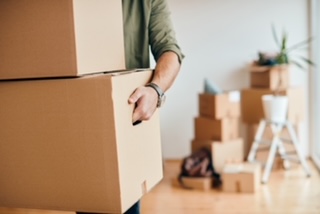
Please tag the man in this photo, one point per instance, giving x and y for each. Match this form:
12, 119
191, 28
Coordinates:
147, 24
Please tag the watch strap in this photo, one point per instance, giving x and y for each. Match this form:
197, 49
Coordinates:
158, 90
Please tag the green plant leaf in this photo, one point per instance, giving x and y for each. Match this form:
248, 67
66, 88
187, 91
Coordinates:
308, 61
300, 44
297, 64
284, 42
275, 37
299, 48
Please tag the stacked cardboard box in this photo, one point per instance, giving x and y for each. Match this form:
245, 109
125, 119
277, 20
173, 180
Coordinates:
60, 38
217, 127
241, 177
68, 143
265, 80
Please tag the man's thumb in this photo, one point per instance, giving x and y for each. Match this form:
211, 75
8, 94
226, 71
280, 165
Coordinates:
133, 98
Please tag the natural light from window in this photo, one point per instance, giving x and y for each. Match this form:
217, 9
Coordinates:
315, 82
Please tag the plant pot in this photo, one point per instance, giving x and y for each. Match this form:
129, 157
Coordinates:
275, 108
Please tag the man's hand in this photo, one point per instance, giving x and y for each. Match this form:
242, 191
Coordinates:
145, 100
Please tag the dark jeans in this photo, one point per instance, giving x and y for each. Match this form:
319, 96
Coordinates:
135, 209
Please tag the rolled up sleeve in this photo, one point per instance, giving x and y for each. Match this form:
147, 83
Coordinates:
161, 33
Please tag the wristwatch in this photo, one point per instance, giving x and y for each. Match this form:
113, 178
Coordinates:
161, 95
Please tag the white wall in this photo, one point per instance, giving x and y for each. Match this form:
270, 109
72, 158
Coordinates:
219, 39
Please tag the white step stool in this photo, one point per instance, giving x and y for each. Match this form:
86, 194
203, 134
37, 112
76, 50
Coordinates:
276, 146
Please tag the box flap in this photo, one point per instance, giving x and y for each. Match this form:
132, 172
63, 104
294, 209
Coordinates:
122, 72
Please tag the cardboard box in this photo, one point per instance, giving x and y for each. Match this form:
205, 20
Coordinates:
220, 130
60, 38
252, 109
269, 77
220, 106
221, 151
243, 177
203, 184
69, 144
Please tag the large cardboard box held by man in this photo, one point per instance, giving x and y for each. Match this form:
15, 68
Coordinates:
60, 38
69, 144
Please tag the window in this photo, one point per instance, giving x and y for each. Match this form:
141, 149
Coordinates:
315, 83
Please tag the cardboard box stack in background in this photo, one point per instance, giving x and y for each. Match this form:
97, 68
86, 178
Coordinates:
68, 143
217, 127
264, 80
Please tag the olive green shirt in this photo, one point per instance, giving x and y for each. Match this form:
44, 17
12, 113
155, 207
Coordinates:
147, 24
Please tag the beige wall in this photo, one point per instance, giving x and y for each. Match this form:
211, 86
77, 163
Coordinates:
219, 39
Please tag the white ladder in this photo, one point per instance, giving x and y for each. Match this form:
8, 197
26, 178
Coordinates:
276, 146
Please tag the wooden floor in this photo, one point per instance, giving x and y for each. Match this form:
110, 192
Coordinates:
288, 192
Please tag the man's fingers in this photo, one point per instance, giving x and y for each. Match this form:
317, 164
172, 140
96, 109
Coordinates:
135, 96
145, 100
143, 111
134, 99
135, 116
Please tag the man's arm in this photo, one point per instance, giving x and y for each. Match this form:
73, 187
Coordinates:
168, 56
166, 71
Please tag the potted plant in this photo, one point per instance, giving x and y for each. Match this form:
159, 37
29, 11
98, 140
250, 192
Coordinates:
276, 105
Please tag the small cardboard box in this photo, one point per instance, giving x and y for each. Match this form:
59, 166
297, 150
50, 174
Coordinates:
203, 184
244, 177
69, 144
60, 38
269, 77
252, 108
220, 130
220, 106
221, 151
